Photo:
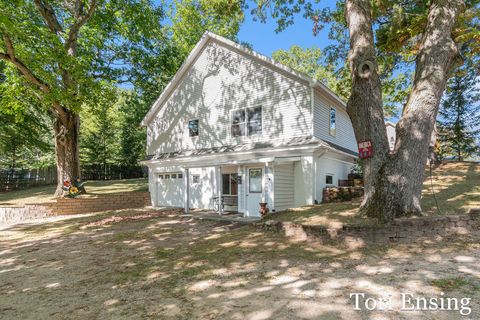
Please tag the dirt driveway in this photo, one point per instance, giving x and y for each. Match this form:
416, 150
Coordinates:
153, 265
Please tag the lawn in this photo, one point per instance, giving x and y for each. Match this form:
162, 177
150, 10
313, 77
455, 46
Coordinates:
456, 186
146, 264
44, 193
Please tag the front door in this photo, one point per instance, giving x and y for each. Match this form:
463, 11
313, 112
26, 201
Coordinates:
254, 191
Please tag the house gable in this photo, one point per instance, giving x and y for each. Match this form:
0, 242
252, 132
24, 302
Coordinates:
219, 79
344, 135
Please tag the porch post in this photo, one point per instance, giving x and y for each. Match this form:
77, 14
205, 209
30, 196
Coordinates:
266, 184
315, 200
218, 176
186, 196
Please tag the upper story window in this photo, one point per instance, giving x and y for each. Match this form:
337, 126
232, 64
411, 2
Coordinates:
333, 125
247, 121
193, 128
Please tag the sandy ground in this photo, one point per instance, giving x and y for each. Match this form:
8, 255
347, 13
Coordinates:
145, 264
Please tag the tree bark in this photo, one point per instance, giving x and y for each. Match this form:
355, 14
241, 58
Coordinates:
393, 182
66, 149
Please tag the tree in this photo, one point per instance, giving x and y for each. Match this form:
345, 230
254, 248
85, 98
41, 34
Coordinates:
459, 120
99, 134
191, 18
24, 143
430, 33
25, 134
132, 108
61, 49
312, 62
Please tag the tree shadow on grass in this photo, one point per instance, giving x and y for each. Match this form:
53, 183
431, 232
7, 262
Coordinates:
169, 267
456, 186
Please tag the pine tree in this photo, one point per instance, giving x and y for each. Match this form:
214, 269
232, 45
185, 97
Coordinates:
459, 116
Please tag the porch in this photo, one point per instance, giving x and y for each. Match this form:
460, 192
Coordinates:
228, 188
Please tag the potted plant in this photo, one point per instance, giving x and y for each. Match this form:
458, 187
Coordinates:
263, 209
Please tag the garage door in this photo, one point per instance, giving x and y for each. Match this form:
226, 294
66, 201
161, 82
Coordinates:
170, 189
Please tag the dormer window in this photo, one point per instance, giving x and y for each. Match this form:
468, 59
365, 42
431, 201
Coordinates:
247, 121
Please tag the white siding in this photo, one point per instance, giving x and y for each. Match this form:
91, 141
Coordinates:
344, 137
391, 135
283, 184
331, 164
201, 193
223, 79
303, 171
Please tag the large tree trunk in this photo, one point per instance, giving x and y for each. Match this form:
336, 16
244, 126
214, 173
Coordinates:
66, 149
393, 182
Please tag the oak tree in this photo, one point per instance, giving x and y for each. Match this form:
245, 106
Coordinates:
431, 36
62, 49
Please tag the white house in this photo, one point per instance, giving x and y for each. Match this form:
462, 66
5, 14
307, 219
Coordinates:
391, 134
234, 124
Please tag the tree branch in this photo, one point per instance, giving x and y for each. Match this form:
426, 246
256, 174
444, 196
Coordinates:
28, 74
47, 12
10, 56
71, 44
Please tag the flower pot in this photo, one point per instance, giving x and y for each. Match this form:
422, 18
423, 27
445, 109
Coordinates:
263, 209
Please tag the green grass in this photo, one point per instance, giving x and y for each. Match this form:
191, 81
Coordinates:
44, 193
456, 186
450, 284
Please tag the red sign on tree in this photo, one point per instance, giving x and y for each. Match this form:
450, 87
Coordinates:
365, 149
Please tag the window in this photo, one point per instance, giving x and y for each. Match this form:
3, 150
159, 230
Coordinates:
254, 121
167, 176
238, 123
247, 122
332, 122
160, 176
180, 176
174, 176
329, 179
193, 128
229, 184
195, 178
255, 180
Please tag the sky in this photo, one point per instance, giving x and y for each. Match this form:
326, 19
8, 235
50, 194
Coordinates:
265, 40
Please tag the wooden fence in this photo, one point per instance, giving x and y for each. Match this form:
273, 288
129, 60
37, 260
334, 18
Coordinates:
24, 178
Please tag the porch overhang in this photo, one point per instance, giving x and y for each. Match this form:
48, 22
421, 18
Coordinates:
236, 158
243, 154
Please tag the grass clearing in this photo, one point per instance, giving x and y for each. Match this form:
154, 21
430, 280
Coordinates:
450, 284
45, 193
170, 267
456, 186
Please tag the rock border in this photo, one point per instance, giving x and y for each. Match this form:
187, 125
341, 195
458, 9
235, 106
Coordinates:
403, 230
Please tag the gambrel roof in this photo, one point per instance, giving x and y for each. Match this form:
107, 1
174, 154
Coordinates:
197, 50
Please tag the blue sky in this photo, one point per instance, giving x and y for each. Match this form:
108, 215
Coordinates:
265, 40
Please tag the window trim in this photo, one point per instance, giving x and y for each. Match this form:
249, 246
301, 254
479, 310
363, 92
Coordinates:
245, 123
332, 108
329, 175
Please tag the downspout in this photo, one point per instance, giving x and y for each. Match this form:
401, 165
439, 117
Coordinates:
186, 199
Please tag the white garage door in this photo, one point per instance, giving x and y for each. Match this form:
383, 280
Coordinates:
170, 189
